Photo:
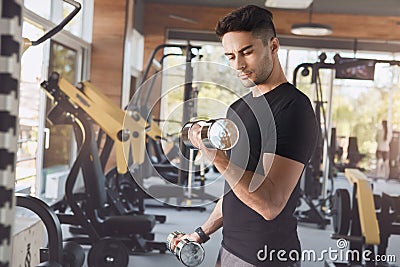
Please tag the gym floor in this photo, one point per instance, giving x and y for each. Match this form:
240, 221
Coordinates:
312, 238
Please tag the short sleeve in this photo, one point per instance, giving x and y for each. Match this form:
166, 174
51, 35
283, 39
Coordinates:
296, 131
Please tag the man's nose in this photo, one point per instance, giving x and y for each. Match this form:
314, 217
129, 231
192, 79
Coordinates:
239, 63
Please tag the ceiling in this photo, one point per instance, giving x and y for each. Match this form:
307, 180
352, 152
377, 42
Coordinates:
352, 21
351, 7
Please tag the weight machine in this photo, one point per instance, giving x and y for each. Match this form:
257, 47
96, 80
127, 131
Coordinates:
158, 159
365, 220
311, 186
345, 68
79, 105
95, 211
96, 220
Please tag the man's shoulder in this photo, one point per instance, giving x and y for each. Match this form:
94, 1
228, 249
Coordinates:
289, 96
296, 92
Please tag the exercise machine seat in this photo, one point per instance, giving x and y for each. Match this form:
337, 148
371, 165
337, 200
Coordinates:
128, 225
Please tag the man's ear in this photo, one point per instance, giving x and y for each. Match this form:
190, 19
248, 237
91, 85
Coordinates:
274, 45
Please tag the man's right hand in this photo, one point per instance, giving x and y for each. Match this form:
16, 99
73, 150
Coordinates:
193, 237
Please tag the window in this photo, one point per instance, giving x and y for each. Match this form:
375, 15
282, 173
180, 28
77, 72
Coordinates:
64, 53
75, 26
64, 60
56, 10
42, 7
358, 106
29, 108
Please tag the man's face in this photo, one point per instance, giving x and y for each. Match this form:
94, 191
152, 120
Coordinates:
248, 56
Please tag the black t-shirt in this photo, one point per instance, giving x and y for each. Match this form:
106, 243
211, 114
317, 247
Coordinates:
282, 122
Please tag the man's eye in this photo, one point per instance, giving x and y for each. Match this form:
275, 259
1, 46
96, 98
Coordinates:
246, 53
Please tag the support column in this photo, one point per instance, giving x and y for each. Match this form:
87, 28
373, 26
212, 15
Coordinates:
10, 66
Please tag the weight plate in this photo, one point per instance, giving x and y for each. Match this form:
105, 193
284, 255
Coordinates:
108, 252
73, 254
341, 214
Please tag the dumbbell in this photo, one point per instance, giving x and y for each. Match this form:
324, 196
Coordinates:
189, 252
221, 134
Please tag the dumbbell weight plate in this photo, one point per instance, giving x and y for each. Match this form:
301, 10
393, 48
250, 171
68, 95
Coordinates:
108, 252
221, 134
190, 253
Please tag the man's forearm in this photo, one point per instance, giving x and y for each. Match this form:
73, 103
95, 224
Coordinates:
214, 221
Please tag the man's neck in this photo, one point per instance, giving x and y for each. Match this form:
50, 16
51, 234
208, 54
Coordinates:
266, 87
276, 78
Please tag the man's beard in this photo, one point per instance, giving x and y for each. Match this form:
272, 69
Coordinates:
247, 83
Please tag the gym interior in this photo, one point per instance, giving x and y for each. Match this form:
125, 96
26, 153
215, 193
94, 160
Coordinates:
95, 97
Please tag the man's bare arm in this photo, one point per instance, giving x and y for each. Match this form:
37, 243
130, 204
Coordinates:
267, 195
212, 224
214, 221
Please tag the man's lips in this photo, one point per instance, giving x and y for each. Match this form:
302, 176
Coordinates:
244, 75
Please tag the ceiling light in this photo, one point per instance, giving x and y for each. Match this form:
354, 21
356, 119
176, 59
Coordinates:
311, 29
184, 19
292, 4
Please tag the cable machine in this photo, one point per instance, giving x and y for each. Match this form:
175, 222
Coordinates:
313, 188
181, 175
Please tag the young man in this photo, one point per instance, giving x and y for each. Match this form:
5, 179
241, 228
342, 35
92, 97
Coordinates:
278, 133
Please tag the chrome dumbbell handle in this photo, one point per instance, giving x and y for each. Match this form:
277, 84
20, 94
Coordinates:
186, 131
221, 134
172, 236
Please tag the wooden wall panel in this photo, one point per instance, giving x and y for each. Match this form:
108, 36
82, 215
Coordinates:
108, 47
109, 23
157, 22
107, 52
344, 26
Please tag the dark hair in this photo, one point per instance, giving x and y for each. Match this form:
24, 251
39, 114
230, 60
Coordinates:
249, 18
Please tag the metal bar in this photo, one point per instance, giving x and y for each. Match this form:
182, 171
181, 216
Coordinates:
60, 26
51, 222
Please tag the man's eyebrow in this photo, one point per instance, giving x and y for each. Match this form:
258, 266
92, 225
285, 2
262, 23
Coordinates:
241, 50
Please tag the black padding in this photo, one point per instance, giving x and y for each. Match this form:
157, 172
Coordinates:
9, 46
165, 190
128, 224
8, 84
11, 9
7, 159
